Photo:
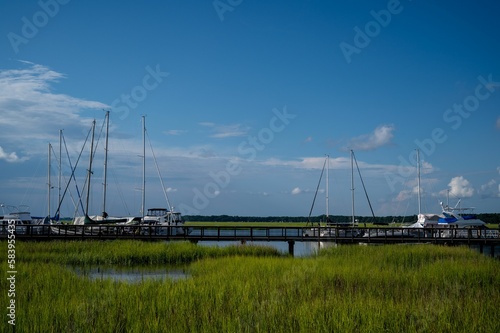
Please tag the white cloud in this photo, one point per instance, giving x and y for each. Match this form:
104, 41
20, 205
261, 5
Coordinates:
296, 191
461, 187
381, 136
10, 157
32, 114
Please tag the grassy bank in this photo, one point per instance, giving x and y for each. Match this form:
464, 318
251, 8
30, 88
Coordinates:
129, 252
249, 289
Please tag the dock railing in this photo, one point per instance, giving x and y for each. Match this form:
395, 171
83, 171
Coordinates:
253, 233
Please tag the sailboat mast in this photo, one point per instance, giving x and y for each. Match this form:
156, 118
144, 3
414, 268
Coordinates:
143, 166
60, 169
418, 183
352, 185
105, 180
90, 168
327, 191
48, 181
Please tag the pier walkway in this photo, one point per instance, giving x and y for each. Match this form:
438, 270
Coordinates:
339, 235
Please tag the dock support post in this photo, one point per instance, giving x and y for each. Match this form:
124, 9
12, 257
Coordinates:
290, 247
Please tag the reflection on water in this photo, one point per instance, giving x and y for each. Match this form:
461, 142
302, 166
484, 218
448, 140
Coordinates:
488, 250
143, 273
306, 249
300, 249
132, 274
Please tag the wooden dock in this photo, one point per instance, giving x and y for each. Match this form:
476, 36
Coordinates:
340, 235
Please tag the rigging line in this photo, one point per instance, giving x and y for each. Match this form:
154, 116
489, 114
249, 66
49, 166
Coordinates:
120, 192
30, 189
316, 193
72, 176
407, 184
159, 174
94, 150
70, 193
363, 183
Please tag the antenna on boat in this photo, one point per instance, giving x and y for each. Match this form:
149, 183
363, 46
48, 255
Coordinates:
448, 198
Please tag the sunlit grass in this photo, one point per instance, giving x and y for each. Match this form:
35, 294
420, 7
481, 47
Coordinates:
129, 252
244, 289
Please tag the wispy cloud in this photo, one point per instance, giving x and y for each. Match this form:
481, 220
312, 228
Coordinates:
32, 113
381, 136
174, 132
225, 131
489, 190
336, 163
307, 162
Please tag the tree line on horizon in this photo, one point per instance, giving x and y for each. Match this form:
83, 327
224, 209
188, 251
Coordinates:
491, 218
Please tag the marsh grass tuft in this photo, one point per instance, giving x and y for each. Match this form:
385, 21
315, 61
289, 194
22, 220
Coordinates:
251, 289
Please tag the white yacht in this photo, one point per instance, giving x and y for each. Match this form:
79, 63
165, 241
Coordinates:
17, 216
166, 218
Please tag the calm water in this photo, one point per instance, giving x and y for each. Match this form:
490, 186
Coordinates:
300, 249
133, 274
143, 273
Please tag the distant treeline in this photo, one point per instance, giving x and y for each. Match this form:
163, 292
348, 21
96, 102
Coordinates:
320, 218
488, 218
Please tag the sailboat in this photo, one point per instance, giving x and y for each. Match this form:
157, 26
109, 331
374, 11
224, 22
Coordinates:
162, 217
104, 218
350, 229
452, 222
165, 221
86, 221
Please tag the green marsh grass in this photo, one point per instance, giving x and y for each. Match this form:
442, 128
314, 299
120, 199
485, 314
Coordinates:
244, 289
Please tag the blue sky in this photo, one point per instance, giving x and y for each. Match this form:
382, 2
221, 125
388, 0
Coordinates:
244, 99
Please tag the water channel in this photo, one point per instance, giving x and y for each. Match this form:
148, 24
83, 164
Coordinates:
135, 274
143, 273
